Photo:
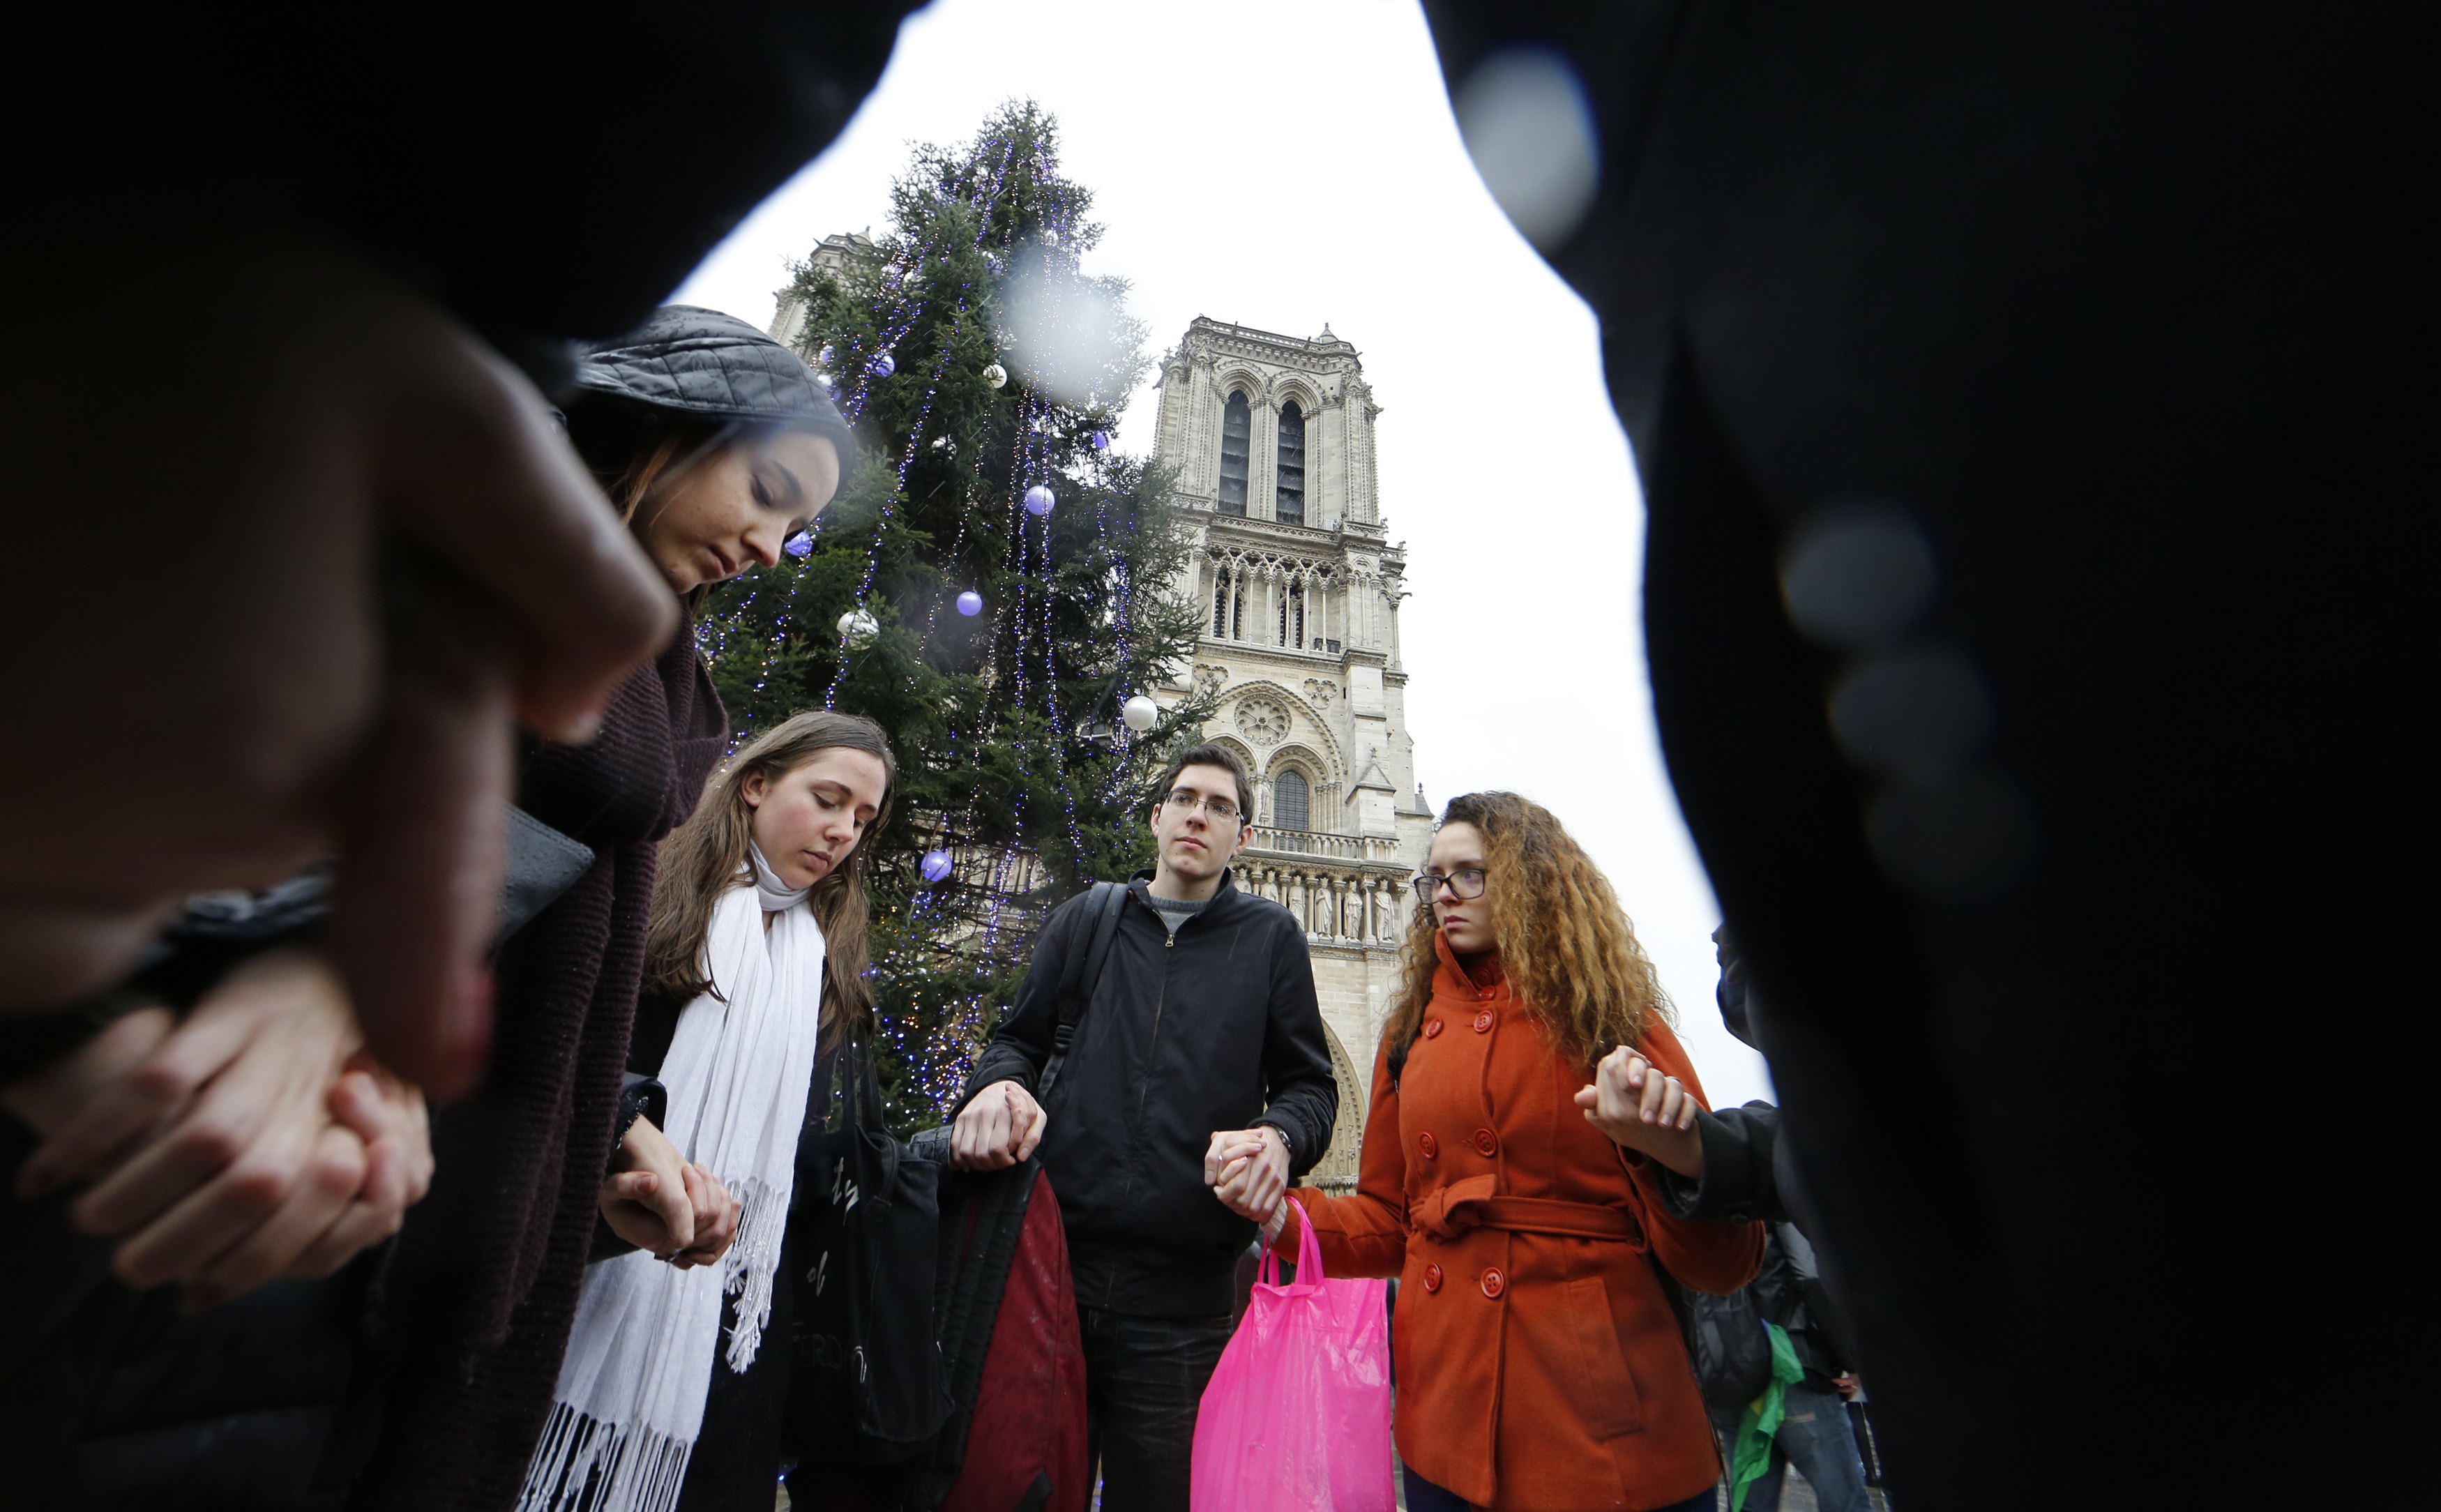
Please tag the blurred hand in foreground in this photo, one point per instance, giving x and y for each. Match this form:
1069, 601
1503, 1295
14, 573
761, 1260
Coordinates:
286, 567
254, 1140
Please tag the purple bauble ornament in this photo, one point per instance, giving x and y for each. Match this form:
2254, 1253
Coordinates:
970, 603
884, 365
936, 865
800, 544
1039, 500
1101, 441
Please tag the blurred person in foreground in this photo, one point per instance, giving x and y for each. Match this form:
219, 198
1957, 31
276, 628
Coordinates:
307, 539
2028, 411
1540, 1365
433, 1362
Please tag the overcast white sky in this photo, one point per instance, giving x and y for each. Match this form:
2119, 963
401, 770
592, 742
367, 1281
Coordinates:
1281, 166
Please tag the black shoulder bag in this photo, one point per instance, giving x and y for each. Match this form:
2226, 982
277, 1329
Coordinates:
868, 1385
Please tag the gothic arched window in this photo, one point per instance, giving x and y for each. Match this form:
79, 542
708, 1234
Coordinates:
1237, 430
1290, 800
1221, 603
1290, 492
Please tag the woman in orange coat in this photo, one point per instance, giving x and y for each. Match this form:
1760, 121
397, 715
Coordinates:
1540, 1368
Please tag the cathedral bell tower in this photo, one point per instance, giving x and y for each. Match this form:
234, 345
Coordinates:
1297, 587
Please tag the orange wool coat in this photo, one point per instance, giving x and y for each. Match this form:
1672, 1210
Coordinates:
1537, 1371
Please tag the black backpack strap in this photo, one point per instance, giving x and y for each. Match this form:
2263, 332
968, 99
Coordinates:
1082, 974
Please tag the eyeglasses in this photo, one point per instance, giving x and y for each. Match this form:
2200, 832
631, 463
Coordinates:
1466, 882
1183, 802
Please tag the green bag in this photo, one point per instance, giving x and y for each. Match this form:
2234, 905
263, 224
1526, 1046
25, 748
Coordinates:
1751, 1455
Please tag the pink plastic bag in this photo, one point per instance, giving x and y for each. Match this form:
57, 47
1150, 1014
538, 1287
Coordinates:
1297, 1416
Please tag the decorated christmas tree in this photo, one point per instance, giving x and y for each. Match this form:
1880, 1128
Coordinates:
988, 584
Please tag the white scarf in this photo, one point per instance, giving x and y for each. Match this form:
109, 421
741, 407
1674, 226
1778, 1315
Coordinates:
629, 1401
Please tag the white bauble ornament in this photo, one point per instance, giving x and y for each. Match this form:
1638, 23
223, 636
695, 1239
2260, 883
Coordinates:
1140, 712
859, 626
995, 375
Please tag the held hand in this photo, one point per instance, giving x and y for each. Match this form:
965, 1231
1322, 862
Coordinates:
1002, 1126
380, 1128
216, 1158
715, 1219
1253, 1172
646, 1201
389, 1117
1641, 1109
51, 1098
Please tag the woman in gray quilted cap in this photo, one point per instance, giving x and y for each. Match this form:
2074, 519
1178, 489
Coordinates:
716, 444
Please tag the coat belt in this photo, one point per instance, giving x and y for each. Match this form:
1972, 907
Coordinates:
1455, 1209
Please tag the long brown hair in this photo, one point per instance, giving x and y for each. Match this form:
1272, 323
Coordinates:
704, 858
1565, 943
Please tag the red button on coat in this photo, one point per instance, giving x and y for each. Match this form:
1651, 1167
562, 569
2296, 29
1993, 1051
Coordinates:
1432, 1278
1430, 1146
1432, 1027
1483, 1022
1494, 1283
1486, 1142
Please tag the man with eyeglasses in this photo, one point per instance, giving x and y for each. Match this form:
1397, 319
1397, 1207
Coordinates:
1201, 1028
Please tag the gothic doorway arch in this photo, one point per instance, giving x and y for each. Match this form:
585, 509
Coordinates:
1336, 1171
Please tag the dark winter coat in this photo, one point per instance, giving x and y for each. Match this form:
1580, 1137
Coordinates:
1217, 1029
1749, 1172
485, 1280
2033, 387
117, 1400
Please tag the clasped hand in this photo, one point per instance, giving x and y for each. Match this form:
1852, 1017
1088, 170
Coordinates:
1001, 1126
1248, 1170
657, 1199
1641, 1109
251, 1140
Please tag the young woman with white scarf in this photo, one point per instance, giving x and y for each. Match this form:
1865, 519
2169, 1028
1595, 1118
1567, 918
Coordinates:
671, 1392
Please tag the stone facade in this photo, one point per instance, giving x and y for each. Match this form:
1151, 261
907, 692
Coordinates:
1298, 589
831, 256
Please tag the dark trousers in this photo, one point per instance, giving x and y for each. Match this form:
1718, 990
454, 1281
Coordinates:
1143, 1378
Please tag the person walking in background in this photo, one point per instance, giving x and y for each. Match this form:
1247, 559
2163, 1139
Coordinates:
1815, 1433
1540, 1367
1202, 1018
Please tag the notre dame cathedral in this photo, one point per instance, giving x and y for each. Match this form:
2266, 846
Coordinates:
1299, 586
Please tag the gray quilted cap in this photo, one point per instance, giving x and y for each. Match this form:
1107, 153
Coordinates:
688, 360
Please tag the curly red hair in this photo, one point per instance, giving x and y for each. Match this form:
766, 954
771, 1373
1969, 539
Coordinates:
1566, 944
